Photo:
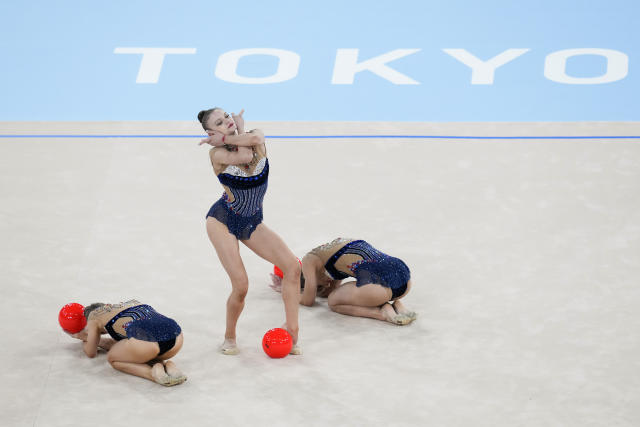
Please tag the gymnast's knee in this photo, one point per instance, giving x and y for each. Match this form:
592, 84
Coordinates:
332, 301
111, 359
239, 285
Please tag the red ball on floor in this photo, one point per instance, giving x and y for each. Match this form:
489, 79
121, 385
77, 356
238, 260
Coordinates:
71, 318
277, 343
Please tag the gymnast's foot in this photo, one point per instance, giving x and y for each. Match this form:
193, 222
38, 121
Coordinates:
401, 309
229, 347
172, 370
161, 377
296, 350
390, 315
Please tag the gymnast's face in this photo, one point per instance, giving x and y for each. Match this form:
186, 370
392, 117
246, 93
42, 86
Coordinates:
220, 121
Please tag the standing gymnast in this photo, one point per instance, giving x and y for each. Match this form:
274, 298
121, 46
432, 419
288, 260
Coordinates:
381, 280
139, 336
240, 162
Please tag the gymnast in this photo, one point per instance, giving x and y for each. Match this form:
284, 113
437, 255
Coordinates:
142, 340
380, 281
239, 160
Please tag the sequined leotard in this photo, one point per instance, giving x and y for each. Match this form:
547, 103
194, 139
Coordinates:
356, 258
240, 207
146, 324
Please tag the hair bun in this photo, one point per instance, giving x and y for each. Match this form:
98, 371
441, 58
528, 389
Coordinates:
201, 115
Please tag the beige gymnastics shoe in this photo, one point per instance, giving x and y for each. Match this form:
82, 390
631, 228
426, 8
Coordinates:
296, 350
229, 348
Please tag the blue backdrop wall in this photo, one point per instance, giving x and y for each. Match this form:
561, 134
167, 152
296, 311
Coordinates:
548, 60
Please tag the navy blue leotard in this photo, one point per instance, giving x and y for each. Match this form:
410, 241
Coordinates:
241, 211
146, 324
373, 267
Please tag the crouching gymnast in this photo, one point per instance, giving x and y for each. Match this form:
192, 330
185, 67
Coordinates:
142, 340
381, 281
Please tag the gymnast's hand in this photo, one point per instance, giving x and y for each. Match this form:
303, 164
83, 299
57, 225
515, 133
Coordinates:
276, 283
82, 335
215, 139
239, 121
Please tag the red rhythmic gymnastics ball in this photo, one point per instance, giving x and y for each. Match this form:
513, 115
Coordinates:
277, 343
71, 318
279, 273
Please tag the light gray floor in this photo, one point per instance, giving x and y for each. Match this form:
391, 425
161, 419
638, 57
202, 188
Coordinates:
524, 257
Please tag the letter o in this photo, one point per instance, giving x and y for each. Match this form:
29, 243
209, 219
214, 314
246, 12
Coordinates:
556, 62
288, 64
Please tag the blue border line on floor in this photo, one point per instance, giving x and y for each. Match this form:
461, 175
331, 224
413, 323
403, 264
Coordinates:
335, 136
